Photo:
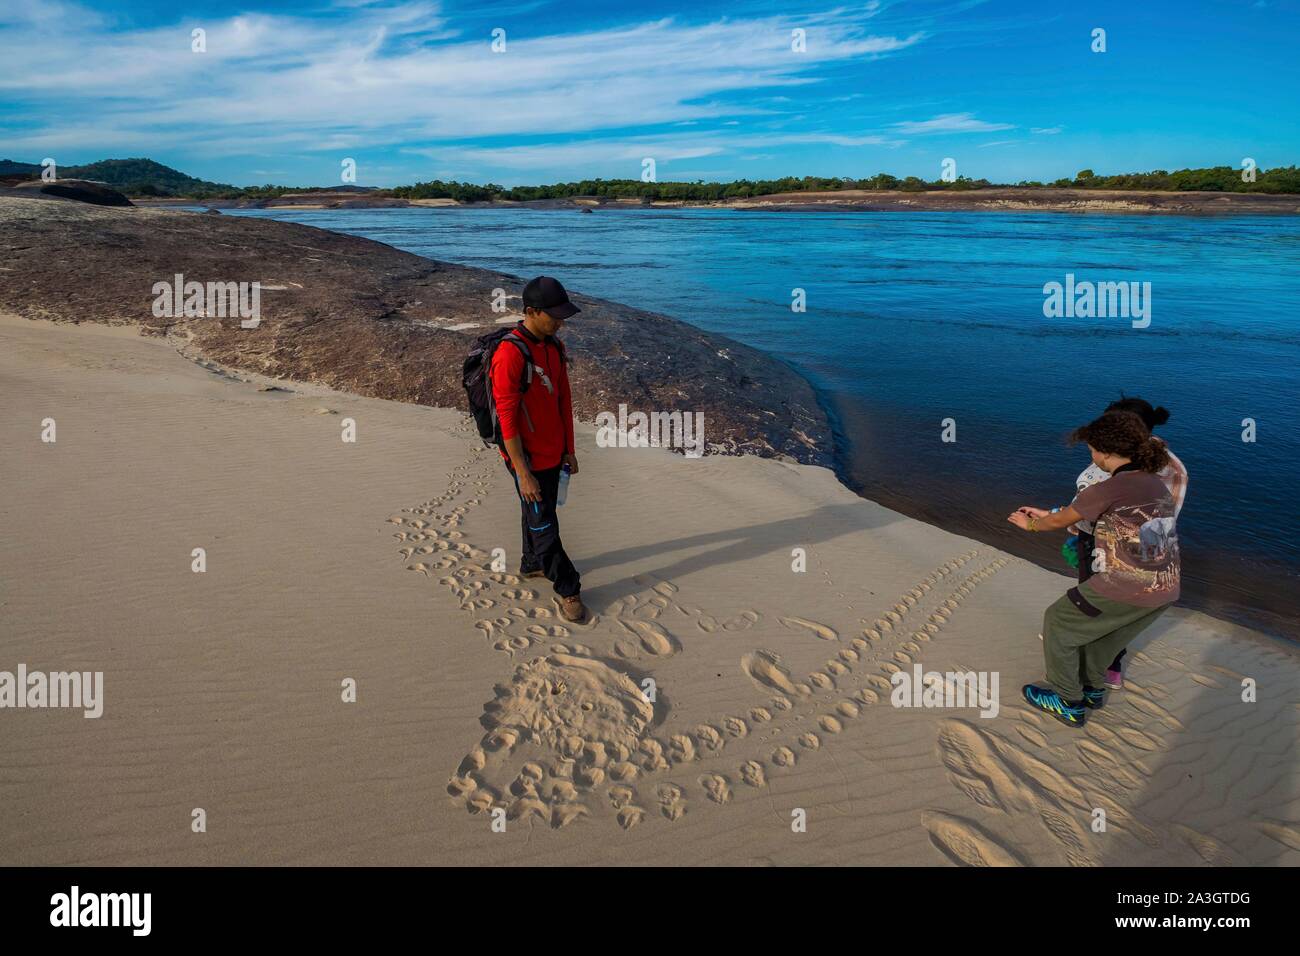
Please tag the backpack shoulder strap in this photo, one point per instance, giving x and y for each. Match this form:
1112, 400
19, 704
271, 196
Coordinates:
524, 350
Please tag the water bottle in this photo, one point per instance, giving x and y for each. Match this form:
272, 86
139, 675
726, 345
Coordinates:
564, 486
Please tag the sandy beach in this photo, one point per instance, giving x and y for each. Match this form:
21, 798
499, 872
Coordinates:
373, 561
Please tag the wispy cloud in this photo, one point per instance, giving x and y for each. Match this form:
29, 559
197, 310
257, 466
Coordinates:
1046, 130
949, 123
383, 75
626, 153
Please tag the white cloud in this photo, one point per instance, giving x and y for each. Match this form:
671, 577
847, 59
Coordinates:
385, 75
611, 155
1046, 130
949, 123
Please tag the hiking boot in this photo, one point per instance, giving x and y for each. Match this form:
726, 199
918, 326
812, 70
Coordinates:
1050, 702
572, 609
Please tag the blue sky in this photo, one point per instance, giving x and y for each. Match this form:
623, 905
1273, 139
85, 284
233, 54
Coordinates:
411, 91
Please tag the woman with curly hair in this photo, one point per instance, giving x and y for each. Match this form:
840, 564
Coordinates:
1135, 565
1174, 475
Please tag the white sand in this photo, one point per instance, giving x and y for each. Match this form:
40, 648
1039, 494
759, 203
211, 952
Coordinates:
223, 689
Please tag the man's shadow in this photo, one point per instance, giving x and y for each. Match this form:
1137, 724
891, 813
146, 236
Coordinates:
734, 544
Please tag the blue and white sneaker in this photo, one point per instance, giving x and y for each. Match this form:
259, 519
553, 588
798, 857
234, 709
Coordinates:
1050, 702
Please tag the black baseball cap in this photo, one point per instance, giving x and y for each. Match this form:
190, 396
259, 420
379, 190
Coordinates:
548, 295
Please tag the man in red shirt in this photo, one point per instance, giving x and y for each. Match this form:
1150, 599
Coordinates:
537, 435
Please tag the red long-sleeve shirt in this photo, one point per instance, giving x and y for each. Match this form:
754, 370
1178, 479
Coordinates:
544, 419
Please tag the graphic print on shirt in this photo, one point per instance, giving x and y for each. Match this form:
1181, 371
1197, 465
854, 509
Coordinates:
1139, 544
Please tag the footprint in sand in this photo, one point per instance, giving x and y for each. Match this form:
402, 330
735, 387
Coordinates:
829, 724
751, 771
1287, 834
652, 637
629, 814
672, 803
784, 757
820, 630
742, 621
764, 669
682, 748
736, 727
530, 613
709, 738
716, 787
565, 811
965, 842
543, 630
652, 756
848, 708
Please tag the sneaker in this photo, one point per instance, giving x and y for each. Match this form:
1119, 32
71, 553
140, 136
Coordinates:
1050, 702
1093, 698
536, 573
1115, 679
573, 610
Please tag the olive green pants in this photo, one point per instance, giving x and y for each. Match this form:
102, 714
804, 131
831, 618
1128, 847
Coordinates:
1078, 644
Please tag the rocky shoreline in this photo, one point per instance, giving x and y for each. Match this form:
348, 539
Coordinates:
361, 316
1004, 199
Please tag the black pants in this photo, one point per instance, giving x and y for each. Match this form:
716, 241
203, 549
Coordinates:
542, 549
1085, 545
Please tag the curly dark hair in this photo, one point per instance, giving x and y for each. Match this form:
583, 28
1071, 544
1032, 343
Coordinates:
1127, 435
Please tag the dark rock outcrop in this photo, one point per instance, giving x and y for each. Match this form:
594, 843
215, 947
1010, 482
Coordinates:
77, 190
362, 316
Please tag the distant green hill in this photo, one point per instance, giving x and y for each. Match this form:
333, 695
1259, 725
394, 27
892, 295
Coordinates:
143, 177
10, 168
135, 177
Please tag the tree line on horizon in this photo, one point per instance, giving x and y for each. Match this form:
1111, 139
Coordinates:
144, 178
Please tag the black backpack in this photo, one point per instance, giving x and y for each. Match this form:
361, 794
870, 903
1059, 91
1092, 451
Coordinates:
475, 376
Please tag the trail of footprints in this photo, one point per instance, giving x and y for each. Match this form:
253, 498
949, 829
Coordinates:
517, 616
999, 774
593, 723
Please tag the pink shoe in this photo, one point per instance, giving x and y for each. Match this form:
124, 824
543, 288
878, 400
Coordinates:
1115, 679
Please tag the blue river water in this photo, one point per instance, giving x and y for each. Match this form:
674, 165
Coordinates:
917, 317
